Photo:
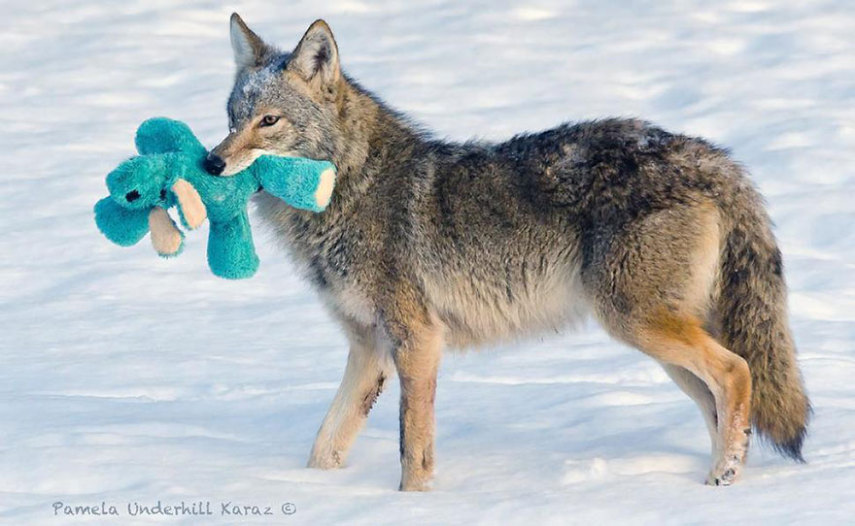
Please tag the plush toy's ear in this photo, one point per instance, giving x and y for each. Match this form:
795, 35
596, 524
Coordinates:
123, 226
190, 205
162, 135
165, 236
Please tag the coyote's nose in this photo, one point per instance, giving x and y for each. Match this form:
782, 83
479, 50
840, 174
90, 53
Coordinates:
214, 165
132, 196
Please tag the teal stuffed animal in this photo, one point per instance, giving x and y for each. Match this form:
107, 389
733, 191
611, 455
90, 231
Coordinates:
168, 172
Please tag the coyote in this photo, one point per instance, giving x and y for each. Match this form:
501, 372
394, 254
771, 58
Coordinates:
430, 244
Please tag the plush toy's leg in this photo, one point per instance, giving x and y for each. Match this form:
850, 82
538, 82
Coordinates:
231, 253
302, 183
161, 135
326, 181
120, 225
165, 236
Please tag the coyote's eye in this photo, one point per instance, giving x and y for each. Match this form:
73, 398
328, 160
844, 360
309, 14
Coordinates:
269, 120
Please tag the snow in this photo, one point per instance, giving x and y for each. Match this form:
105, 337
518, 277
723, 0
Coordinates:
129, 379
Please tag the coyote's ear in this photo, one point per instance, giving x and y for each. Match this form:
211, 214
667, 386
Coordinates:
316, 56
248, 47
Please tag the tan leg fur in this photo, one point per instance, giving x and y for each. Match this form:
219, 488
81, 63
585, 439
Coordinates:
364, 377
680, 341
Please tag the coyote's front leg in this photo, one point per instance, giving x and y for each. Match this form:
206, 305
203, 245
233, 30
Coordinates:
367, 370
418, 345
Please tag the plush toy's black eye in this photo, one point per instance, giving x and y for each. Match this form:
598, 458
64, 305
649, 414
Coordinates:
131, 196
269, 120
163, 194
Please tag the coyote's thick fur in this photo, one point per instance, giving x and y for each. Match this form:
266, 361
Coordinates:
428, 244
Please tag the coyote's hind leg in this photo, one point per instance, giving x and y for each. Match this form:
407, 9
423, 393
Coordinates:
681, 342
703, 397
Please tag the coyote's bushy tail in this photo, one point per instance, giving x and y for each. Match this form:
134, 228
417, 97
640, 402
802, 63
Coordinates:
752, 312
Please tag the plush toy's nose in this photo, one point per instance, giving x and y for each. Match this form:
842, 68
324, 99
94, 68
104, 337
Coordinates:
132, 196
214, 164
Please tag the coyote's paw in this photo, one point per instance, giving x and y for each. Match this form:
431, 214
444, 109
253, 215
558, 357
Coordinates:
415, 485
729, 465
725, 472
329, 460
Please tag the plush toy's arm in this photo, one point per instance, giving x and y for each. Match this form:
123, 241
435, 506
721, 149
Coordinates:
302, 183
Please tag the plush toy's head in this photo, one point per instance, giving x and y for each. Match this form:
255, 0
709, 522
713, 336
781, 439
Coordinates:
140, 183
144, 187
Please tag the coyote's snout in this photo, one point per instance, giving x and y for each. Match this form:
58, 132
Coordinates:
430, 244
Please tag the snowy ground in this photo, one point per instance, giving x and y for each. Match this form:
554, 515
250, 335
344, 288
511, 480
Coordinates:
127, 379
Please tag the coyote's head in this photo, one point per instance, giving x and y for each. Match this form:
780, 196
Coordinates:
281, 103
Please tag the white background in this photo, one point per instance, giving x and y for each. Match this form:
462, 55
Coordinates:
127, 378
